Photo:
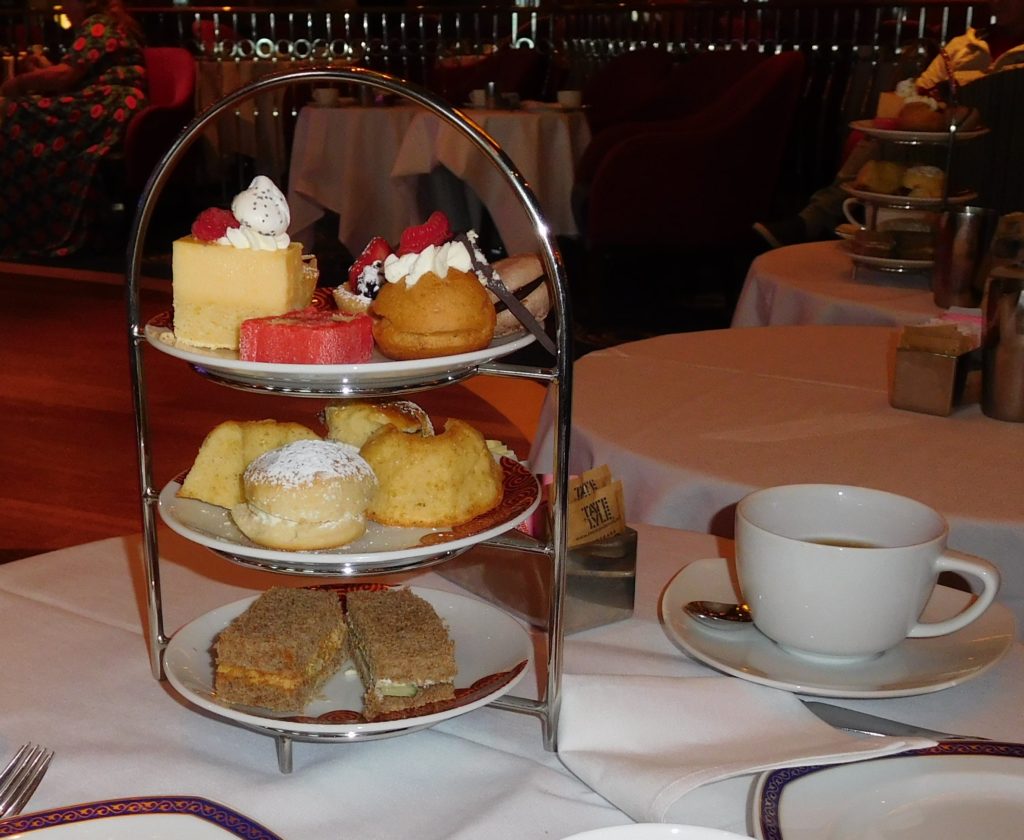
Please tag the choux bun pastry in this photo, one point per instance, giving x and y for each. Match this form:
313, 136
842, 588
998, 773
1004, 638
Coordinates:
433, 316
307, 495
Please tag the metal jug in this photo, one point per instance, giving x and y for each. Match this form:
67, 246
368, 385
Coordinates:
1002, 383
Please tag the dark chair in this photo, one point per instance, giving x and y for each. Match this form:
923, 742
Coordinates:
627, 86
171, 81
689, 187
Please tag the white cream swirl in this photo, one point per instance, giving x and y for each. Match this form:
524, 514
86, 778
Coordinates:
437, 259
263, 215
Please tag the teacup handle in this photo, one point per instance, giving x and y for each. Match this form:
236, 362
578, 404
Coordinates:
848, 205
974, 567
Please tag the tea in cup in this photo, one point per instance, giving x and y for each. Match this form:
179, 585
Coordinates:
843, 573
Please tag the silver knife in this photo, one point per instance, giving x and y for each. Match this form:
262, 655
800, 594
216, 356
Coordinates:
506, 296
853, 721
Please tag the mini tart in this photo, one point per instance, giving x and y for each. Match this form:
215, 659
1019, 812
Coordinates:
433, 316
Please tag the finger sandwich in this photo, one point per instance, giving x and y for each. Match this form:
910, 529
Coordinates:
278, 653
402, 650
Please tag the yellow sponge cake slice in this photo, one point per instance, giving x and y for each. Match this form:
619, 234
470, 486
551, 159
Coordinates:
216, 287
216, 475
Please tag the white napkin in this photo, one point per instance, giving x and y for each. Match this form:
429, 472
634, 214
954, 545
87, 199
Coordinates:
645, 742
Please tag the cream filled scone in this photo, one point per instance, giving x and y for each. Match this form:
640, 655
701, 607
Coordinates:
307, 495
433, 303
236, 265
355, 422
438, 481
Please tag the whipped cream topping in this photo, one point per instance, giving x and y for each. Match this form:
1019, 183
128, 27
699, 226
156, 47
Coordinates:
437, 259
263, 216
906, 88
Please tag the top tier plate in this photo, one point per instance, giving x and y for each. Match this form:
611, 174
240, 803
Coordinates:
378, 375
899, 136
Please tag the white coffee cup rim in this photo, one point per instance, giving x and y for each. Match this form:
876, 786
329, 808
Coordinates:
756, 497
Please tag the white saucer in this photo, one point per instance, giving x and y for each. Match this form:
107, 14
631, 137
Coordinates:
955, 789
917, 666
899, 135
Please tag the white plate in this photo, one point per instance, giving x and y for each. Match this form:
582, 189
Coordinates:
953, 790
382, 547
656, 831
870, 129
890, 263
149, 817
916, 666
962, 197
379, 372
492, 651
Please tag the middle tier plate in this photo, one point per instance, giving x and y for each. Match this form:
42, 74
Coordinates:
381, 549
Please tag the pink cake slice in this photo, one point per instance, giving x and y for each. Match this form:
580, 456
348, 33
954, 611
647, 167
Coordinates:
307, 337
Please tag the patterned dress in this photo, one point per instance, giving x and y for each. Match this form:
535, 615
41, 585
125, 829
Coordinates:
51, 145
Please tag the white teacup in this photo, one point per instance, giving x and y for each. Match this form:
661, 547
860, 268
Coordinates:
570, 98
844, 572
326, 97
478, 98
872, 216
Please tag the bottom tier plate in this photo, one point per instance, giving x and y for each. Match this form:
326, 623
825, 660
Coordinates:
492, 651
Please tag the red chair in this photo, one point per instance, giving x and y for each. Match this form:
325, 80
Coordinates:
171, 82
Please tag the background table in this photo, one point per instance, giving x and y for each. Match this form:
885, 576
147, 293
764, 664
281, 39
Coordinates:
370, 166
76, 677
692, 422
816, 284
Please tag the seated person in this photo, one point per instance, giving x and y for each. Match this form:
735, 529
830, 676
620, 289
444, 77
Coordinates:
59, 121
970, 56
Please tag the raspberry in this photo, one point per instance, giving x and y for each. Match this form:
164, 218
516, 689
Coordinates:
212, 224
434, 231
374, 252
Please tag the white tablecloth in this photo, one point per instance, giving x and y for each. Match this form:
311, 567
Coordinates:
368, 165
816, 284
76, 677
693, 422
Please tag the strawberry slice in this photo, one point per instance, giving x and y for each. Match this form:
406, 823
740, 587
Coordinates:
374, 252
434, 231
212, 224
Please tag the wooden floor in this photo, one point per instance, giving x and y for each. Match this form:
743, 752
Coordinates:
68, 454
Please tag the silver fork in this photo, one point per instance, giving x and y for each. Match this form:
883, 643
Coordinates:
21, 777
